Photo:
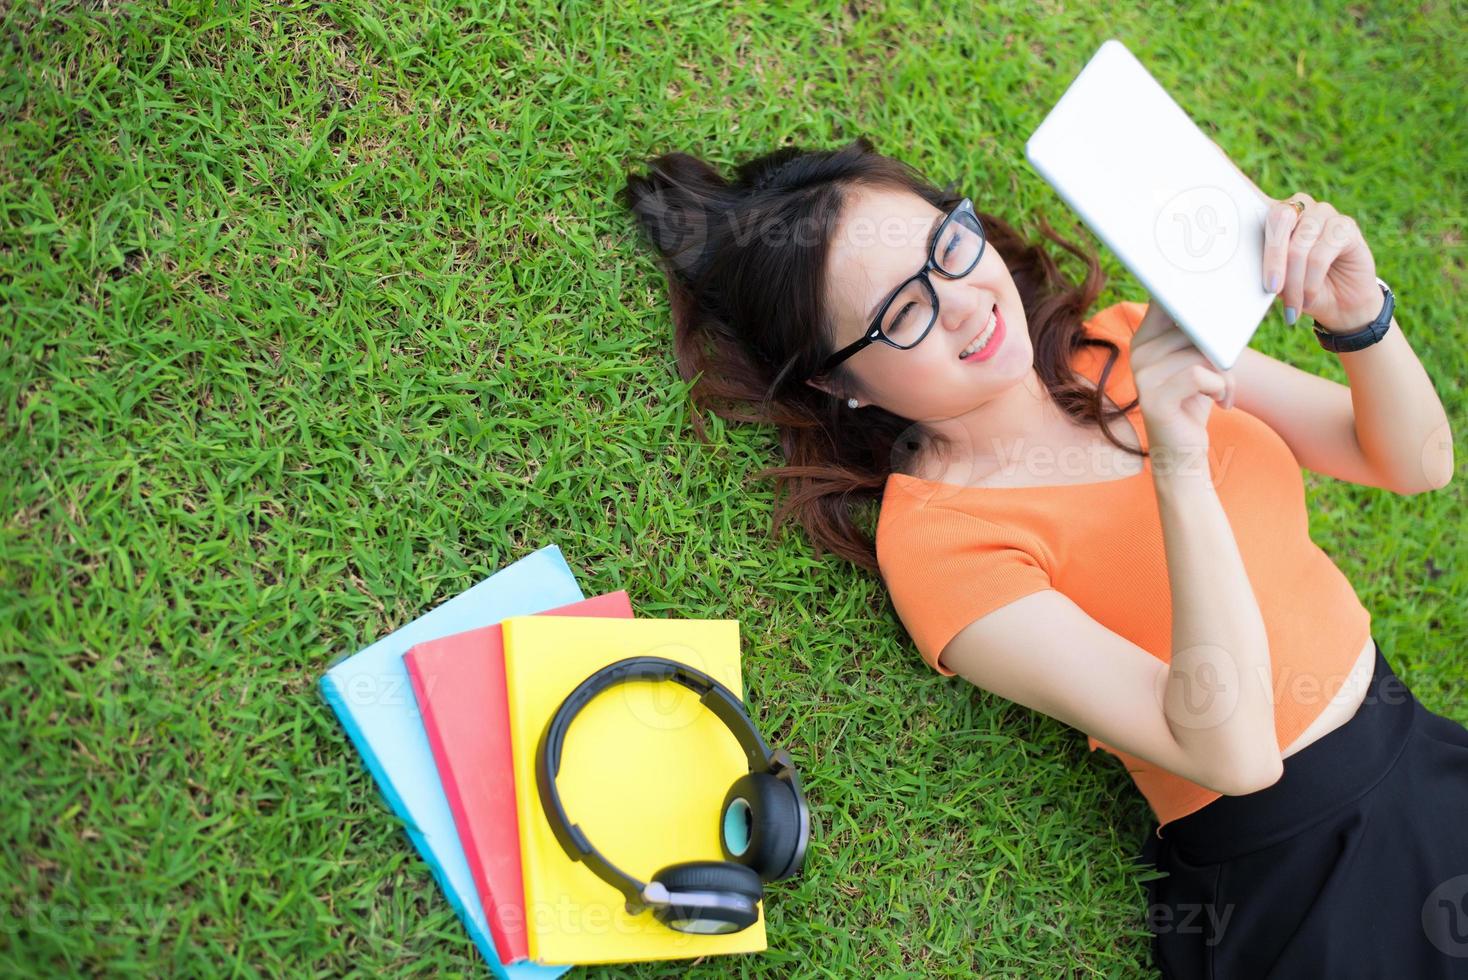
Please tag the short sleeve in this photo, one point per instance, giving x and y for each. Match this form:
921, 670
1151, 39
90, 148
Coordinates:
1118, 321
1131, 315
944, 568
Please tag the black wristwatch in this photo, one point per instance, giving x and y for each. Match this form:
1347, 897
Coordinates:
1367, 335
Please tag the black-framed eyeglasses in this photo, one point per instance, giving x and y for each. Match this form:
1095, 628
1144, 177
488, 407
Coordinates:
912, 309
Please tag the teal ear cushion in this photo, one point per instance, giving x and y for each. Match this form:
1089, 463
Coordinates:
759, 824
738, 826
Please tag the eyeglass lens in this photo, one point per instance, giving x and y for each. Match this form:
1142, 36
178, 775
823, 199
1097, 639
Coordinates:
912, 311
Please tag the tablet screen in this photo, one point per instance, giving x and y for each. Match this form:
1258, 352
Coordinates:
1163, 196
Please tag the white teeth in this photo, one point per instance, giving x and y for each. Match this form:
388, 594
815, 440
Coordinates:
983, 338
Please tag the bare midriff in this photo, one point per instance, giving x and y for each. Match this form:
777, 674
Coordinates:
1343, 706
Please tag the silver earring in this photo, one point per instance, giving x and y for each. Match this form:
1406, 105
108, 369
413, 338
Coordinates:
851, 403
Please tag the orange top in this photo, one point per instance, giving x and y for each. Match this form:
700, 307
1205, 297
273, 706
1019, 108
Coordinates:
949, 554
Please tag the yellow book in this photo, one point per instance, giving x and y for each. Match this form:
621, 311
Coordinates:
644, 770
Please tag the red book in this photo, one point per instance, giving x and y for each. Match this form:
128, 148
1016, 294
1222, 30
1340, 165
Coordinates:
459, 682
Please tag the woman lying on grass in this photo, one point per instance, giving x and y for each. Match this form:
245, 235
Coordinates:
1082, 515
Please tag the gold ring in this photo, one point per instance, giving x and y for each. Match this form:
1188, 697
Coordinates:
1299, 206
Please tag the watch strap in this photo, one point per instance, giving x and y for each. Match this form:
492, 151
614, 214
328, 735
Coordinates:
1367, 335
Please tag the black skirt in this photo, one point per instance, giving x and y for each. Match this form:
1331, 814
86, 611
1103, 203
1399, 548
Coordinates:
1353, 864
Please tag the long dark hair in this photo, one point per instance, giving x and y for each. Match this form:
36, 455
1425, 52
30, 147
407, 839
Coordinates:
745, 262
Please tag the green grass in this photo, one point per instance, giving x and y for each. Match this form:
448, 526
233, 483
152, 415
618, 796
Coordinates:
316, 315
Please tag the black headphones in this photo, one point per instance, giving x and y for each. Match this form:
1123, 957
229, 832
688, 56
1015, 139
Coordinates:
764, 822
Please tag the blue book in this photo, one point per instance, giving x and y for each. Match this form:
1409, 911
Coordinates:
372, 695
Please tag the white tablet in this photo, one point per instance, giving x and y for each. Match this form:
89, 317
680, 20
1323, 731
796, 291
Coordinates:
1162, 196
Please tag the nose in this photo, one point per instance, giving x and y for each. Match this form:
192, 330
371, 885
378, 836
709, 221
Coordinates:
958, 301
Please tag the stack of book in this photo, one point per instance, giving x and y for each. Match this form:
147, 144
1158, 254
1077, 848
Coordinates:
447, 712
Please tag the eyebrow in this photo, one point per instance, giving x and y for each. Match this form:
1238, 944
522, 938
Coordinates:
927, 241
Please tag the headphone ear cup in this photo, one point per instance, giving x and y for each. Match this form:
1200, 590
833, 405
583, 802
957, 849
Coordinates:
738, 888
759, 824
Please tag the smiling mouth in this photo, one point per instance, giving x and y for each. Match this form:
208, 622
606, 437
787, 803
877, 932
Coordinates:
984, 336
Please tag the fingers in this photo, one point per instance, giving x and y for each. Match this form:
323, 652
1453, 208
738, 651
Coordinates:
1303, 239
1171, 365
1336, 235
1279, 226
1194, 380
1188, 371
1154, 321
1299, 249
1156, 325
1168, 350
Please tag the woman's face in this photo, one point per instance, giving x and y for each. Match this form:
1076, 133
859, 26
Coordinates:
881, 240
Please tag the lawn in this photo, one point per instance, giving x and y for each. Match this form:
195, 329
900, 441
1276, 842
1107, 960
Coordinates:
317, 314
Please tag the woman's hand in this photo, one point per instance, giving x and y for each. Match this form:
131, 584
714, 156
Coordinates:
1318, 263
1176, 384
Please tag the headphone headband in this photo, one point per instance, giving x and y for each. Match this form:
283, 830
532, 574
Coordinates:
716, 696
